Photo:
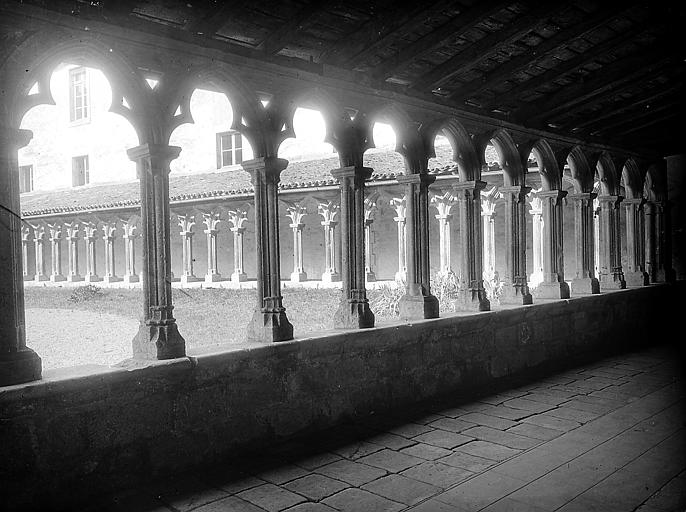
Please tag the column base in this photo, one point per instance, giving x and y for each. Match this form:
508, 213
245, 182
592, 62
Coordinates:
353, 314
270, 327
554, 290
57, 278
515, 294
535, 279
400, 276
331, 277
239, 277
28, 277
298, 277
585, 286
111, 279
19, 367
74, 278
158, 342
472, 299
128, 279
418, 307
370, 277
612, 282
184, 279
92, 278
638, 278
39, 279
213, 278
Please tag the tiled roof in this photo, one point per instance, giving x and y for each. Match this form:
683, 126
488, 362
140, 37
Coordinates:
304, 174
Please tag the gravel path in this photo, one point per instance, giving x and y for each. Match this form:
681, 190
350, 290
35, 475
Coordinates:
64, 337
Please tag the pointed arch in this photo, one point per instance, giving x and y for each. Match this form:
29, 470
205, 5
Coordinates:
465, 152
633, 178
580, 170
655, 183
510, 159
548, 167
607, 175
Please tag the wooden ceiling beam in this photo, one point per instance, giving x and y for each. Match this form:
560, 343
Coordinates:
279, 39
452, 29
480, 50
660, 109
554, 43
212, 21
668, 114
567, 66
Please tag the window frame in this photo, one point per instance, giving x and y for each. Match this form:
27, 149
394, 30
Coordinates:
234, 152
86, 170
23, 178
84, 108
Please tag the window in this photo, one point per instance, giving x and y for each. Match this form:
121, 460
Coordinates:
78, 95
79, 171
229, 149
25, 178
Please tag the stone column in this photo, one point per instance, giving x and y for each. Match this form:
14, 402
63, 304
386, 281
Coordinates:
39, 246
55, 253
72, 230
108, 229
211, 221
444, 204
237, 218
158, 337
650, 240
635, 274
398, 204
296, 212
553, 285
515, 283
129, 235
186, 223
89, 235
269, 322
662, 233
585, 280
674, 219
488, 218
354, 310
25, 238
536, 212
611, 276
18, 363
369, 214
417, 303
472, 296
329, 210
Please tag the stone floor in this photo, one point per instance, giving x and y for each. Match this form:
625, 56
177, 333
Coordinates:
609, 436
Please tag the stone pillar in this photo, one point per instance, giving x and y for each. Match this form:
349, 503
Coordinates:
55, 253
610, 276
444, 204
39, 246
354, 310
89, 231
488, 218
654, 241
158, 337
553, 285
585, 280
18, 363
596, 237
664, 272
211, 221
398, 204
369, 214
237, 218
108, 229
472, 296
417, 303
515, 283
536, 212
72, 230
269, 322
635, 274
674, 219
129, 235
329, 210
296, 212
25, 238
186, 223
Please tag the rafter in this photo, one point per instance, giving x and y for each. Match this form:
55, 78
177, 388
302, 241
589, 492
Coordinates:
480, 50
213, 20
452, 29
567, 66
622, 72
668, 106
279, 39
553, 44
627, 105
670, 113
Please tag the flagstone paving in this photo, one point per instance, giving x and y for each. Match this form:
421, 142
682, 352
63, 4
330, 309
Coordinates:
609, 436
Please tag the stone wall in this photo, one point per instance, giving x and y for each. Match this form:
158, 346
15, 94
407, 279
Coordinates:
106, 427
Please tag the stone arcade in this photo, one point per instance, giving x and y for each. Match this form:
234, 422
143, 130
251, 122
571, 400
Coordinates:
466, 72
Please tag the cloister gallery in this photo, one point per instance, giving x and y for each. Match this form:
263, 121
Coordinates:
507, 167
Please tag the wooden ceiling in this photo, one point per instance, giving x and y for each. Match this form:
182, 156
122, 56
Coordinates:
607, 72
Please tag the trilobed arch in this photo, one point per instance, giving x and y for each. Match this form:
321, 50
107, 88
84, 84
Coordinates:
551, 174
633, 178
607, 175
580, 170
508, 153
465, 153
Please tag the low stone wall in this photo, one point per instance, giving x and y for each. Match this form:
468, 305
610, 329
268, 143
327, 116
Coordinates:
71, 435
